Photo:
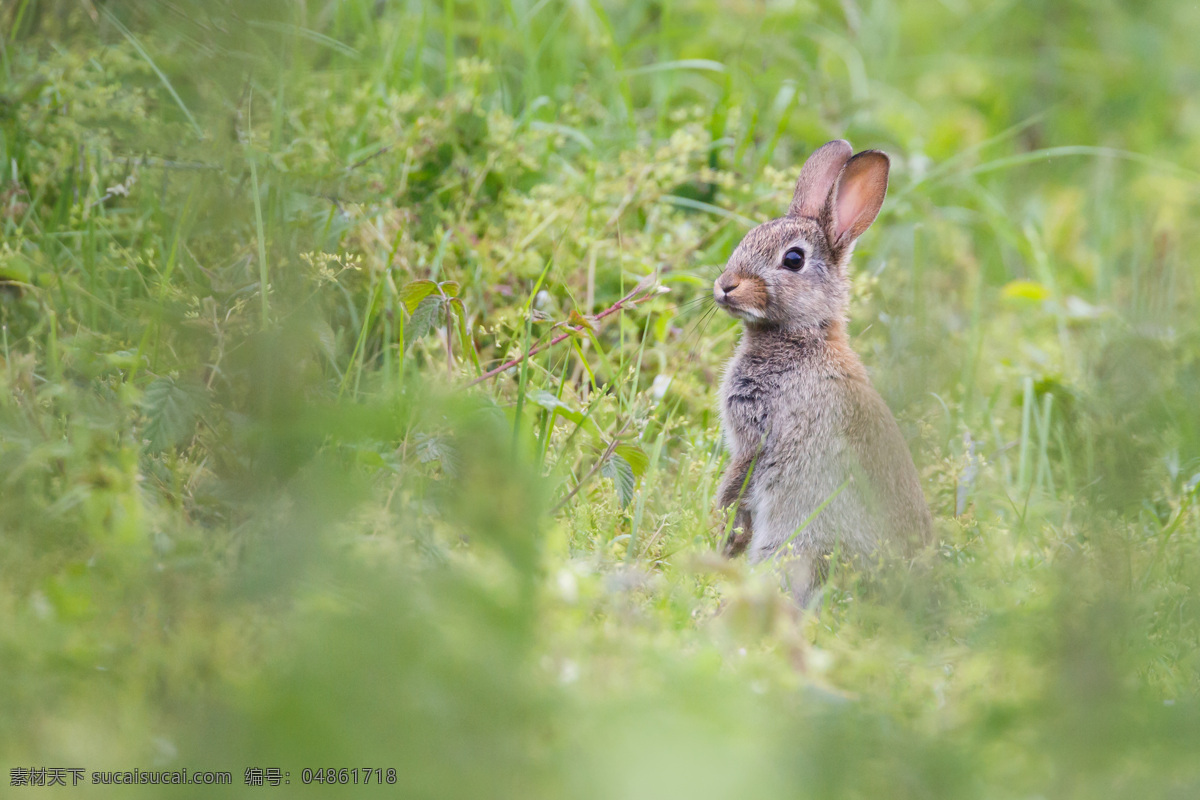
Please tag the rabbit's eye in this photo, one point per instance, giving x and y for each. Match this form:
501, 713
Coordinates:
794, 259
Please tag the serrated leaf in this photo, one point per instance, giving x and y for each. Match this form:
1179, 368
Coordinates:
171, 410
435, 448
449, 288
622, 476
422, 320
636, 456
412, 294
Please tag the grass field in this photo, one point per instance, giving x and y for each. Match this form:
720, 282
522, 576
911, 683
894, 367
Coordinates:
267, 499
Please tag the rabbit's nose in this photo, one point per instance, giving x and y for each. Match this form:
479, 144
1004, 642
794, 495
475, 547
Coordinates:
724, 285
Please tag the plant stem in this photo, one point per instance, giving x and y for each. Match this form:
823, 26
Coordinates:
608, 451
628, 300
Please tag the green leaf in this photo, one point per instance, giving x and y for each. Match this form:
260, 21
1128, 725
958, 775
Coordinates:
121, 359
370, 458
549, 402
579, 320
635, 456
1024, 290
463, 334
427, 312
449, 288
622, 476
412, 294
17, 268
171, 410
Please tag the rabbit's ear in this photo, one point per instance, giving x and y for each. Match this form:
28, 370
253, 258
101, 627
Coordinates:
817, 177
857, 197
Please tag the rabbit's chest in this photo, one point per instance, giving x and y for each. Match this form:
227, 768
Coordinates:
771, 405
748, 404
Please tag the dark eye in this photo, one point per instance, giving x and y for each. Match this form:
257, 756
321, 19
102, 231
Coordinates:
794, 259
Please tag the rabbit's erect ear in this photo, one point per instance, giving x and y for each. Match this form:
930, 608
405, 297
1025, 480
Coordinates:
857, 197
817, 177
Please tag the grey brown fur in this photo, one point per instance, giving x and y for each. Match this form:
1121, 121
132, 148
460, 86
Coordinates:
800, 416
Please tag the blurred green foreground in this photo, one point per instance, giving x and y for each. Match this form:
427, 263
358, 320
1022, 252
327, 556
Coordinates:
253, 515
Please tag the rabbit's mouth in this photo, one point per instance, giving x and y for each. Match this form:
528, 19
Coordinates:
746, 314
743, 298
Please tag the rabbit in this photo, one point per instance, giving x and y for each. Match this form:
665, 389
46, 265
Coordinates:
809, 438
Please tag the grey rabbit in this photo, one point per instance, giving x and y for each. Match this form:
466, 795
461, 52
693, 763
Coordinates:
810, 439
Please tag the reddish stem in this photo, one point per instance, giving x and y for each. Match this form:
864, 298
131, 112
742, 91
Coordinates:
629, 299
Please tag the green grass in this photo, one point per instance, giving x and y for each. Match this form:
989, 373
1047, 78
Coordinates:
254, 512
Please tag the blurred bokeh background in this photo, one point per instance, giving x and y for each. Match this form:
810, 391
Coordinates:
258, 508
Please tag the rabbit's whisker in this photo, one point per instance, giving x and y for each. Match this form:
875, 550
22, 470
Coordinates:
694, 302
696, 334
